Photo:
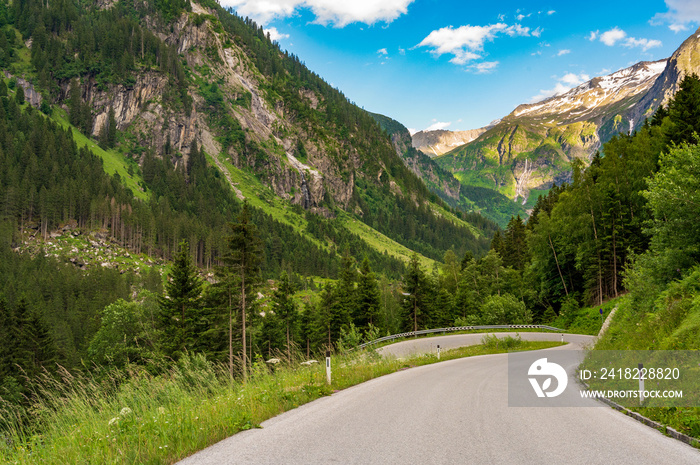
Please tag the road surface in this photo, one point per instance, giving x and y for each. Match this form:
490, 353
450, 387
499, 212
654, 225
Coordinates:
446, 413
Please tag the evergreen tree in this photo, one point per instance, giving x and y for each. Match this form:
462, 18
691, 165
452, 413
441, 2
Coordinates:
368, 298
344, 308
75, 104
514, 246
415, 291
19, 95
108, 133
285, 307
86, 119
181, 304
243, 262
497, 244
684, 111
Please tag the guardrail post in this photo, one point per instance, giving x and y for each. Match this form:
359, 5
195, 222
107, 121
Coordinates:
438, 353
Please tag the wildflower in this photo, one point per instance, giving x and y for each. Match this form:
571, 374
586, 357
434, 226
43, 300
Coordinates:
161, 410
125, 411
113, 421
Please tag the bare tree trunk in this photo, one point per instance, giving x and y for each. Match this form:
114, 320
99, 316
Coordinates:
245, 361
557, 261
230, 334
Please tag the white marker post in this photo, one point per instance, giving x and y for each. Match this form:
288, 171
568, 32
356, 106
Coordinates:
328, 366
438, 351
641, 384
562, 338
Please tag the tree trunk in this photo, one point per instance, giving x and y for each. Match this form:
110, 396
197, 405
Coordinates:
557, 261
245, 362
230, 334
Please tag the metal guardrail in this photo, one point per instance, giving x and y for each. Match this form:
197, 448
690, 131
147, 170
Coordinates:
456, 328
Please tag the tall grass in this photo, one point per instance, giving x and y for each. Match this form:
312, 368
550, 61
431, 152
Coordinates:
134, 416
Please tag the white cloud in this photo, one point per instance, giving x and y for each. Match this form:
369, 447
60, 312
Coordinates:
563, 85
612, 36
518, 31
645, 44
551, 12
485, 67
615, 35
574, 80
521, 16
382, 51
438, 125
462, 42
275, 35
594, 35
402, 51
466, 43
678, 27
563, 52
339, 14
680, 13
412, 131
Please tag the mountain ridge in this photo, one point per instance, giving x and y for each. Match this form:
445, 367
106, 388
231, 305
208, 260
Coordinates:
534, 146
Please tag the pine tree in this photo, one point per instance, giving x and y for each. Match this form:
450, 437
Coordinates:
368, 298
86, 118
181, 304
243, 265
497, 244
75, 104
344, 306
285, 307
111, 128
515, 244
19, 95
415, 291
684, 111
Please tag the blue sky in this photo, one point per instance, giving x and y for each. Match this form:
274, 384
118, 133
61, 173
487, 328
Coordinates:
460, 65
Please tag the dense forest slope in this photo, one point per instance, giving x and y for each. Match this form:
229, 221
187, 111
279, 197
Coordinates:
165, 86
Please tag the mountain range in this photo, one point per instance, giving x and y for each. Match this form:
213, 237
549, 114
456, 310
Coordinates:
533, 147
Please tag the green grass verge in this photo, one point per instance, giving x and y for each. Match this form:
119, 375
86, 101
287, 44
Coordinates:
137, 417
585, 320
666, 319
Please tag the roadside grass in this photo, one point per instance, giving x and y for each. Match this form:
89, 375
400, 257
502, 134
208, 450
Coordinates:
140, 417
585, 320
669, 321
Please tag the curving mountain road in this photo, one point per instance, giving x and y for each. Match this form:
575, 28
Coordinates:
451, 412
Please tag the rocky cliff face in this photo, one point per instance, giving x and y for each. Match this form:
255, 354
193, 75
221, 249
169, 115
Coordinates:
438, 142
214, 57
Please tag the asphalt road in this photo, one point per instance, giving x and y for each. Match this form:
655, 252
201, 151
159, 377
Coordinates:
446, 413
